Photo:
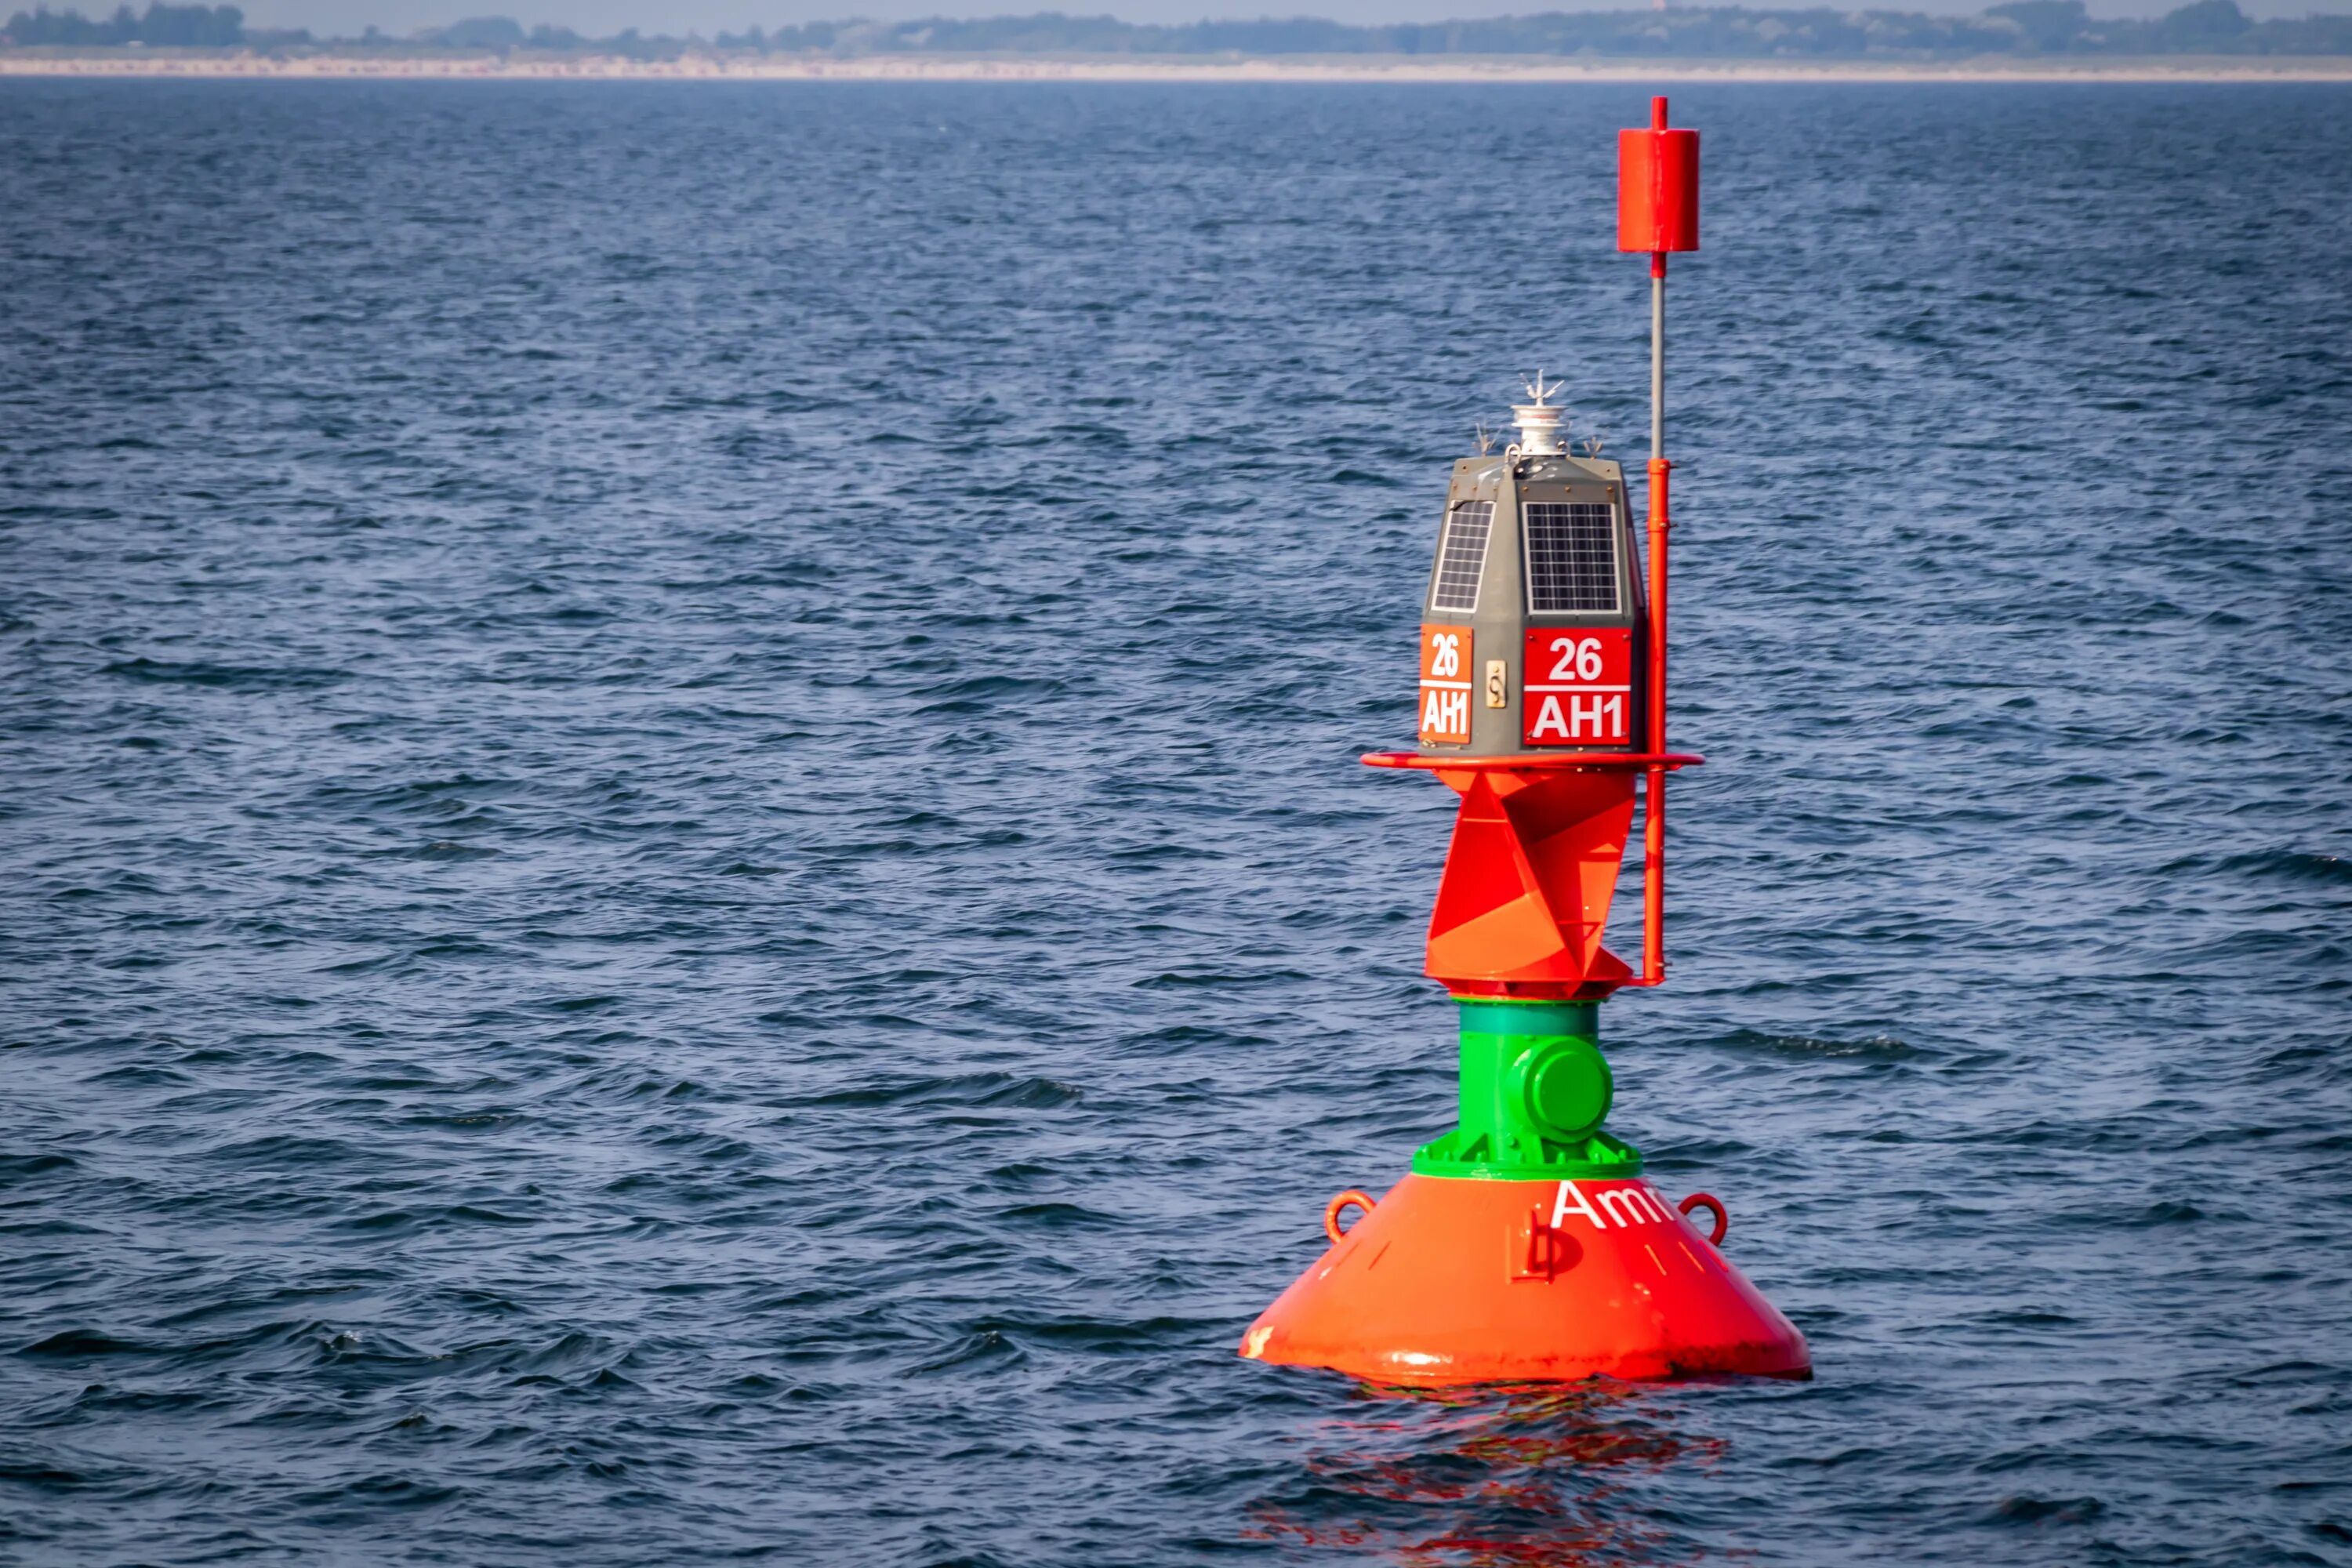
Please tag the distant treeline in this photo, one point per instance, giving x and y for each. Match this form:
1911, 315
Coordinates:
187, 27
2020, 27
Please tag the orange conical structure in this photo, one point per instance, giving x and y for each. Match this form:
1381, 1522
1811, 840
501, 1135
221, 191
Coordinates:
1456, 1281
1528, 882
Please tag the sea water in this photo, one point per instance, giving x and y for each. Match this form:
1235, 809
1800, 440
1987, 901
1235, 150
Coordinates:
683, 875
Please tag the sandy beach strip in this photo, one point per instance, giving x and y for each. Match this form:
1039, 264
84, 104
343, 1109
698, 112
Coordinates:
947, 67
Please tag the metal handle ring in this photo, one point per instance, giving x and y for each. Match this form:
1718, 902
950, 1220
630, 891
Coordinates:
1347, 1200
1722, 1214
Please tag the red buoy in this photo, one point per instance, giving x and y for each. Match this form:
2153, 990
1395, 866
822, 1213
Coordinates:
1526, 1245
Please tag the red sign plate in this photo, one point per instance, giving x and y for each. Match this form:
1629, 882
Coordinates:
1580, 686
1445, 686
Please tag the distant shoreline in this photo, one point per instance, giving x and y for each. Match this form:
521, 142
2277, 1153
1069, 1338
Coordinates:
245, 65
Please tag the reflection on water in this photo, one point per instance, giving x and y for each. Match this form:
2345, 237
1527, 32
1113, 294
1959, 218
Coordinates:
1521, 1475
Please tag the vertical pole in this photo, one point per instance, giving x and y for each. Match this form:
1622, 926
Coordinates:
1653, 809
1657, 355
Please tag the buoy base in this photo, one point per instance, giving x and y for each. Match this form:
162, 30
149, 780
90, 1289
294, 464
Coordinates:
1451, 1280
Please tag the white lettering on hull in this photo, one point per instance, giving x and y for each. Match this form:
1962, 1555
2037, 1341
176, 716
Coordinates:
1626, 1205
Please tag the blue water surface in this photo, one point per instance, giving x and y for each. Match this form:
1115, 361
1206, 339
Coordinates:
682, 875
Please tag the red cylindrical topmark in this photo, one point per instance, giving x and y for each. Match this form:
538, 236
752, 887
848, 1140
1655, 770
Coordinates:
1657, 187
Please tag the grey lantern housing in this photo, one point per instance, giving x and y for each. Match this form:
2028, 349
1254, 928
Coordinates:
1534, 630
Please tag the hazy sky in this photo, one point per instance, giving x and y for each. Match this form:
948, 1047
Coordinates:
707, 16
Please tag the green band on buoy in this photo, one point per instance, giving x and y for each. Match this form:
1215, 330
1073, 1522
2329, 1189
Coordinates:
1534, 1090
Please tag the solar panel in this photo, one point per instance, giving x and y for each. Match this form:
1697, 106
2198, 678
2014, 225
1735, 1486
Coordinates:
1571, 556
1461, 555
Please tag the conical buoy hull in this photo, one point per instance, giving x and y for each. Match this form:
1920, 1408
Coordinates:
1450, 1280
